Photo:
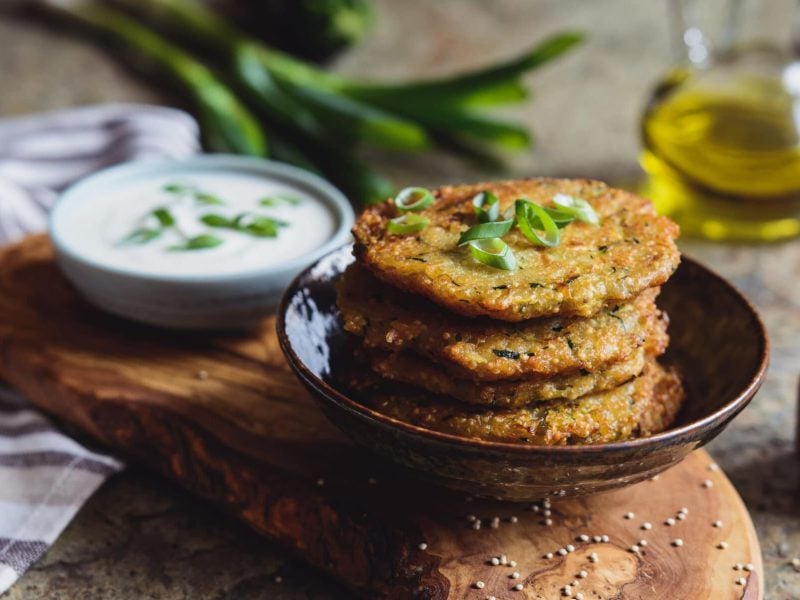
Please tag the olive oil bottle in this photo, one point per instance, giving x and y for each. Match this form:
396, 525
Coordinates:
721, 139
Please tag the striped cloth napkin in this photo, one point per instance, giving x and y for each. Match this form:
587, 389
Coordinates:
45, 477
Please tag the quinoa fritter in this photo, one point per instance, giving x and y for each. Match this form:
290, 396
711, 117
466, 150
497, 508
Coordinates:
390, 319
643, 406
409, 368
631, 250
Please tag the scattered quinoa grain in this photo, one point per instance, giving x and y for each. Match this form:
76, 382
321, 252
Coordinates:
749, 567
717, 524
518, 587
677, 542
713, 467
479, 584
684, 511
629, 515
597, 539
567, 590
503, 559
604, 539
476, 525
278, 579
422, 546
562, 552
647, 525
708, 483
681, 516
495, 561
472, 518
643, 543
513, 519
512, 563
548, 522
583, 537
202, 375
547, 512
593, 557
634, 549
514, 575
795, 562
570, 548
670, 522
579, 596
583, 574
320, 482
741, 581
549, 555
722, 545
738, 567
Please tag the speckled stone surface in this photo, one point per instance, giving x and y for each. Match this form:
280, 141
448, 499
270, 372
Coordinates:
140, 537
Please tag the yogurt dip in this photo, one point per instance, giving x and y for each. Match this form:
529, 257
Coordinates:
208, 242
239, 223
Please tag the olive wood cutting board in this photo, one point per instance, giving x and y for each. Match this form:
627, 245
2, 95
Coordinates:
223, 416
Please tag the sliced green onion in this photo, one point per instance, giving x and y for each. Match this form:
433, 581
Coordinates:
577, 207
199, 242
408, 223
487, 206
493, 252
528, 216
164, 217
413, 199
484, 231
142, 236
208, 199
560, 217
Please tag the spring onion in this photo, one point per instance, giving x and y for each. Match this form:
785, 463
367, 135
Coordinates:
413, 199
407, 223
484, 231
199, 242
577, 207
529, 216
487, 206
493, 252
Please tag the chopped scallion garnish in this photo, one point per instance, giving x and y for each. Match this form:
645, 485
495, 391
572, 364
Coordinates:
484, 231
199, 242
577, 207
407, 223
487, 206
536, 224
494, 253
413, 199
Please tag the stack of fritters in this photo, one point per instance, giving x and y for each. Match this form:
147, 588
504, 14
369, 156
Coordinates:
561, 350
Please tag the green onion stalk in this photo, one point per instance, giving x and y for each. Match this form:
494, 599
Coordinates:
408, 116
227, 125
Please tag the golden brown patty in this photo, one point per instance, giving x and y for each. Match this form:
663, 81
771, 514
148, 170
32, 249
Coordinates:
644, 406
487, 350
410, 368
631, 250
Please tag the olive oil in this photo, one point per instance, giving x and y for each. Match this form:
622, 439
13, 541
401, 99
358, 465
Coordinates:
723, 155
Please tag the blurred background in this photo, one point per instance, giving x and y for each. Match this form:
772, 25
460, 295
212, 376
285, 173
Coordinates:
139, 536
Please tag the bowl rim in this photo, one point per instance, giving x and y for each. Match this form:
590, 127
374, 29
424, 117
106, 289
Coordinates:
336, 201
672, 436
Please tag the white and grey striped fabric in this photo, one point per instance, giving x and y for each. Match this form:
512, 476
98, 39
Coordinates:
45, 477
43, 154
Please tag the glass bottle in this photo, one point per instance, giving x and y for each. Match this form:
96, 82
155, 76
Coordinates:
721, 133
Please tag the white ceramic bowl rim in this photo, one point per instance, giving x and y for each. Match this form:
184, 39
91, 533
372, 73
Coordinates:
320, 188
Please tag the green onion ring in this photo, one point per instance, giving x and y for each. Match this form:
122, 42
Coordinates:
487, 206
493, 252
560, 217
484, 231
577, 207
528, 215
413, 199
408, 223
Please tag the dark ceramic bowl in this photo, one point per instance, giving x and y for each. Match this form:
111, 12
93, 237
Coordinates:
717, 341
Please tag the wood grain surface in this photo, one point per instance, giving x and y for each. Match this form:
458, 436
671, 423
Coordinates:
223, 416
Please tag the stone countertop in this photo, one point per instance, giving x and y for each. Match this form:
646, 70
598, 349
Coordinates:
141, 537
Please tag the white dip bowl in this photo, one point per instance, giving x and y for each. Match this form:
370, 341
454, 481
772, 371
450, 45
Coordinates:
209, 242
